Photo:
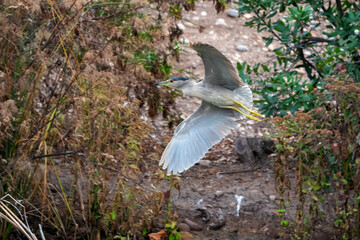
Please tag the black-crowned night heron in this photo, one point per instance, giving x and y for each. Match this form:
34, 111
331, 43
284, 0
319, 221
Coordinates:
225, 99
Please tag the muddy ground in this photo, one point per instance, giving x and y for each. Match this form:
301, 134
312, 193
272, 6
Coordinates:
223, 195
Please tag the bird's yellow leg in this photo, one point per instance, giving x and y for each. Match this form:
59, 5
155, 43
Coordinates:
250, 111
251, 116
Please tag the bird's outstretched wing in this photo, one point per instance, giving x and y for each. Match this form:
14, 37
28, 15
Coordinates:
195, 135
218, 69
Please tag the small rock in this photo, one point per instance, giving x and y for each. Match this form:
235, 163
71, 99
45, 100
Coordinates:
186, 236
242, 48
219, 193
211, 32
189, 24
220, 21
271, 47
193, 226
265, 49
195, 18
272, 197
204, 214
184, 40
233, 12
245, 36
307, 53
181, 26
220, 222
247, 15
250, 122
183, 227
205, 163
203, 13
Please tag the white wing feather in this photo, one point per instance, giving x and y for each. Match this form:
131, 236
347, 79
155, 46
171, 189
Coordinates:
196, 135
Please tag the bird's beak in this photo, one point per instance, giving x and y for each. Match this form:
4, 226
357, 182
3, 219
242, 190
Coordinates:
162, 83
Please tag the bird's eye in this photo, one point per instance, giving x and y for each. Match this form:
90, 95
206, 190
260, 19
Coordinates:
171, 81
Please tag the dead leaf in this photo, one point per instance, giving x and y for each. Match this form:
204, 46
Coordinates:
157, 236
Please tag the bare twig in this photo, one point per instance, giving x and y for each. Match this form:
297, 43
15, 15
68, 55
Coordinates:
55, 154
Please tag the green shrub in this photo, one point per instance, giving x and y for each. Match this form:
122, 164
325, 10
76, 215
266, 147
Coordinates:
324, 147
321, 38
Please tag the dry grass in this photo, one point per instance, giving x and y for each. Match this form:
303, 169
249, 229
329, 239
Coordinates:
73, 76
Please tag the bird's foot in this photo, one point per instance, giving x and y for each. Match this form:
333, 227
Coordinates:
250, 116
253, 112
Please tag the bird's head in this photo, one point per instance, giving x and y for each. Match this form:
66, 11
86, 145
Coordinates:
175, 82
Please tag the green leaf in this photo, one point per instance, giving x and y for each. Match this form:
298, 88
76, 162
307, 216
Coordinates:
265, 68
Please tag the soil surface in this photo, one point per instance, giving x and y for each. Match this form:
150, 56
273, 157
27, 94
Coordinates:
223, 197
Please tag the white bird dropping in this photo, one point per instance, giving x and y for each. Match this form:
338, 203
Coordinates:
238, 199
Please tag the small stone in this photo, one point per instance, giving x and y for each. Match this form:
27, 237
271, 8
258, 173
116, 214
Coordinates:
193, 226
203, 13
219, 193
272, 197
233, 12
205, 163
265, 49
195, 18
245, 36
307, 53
184, 40
247, 15
271, 47
211, 32
186, 236
242, 48
181, 26
220, 21
184, 227
251, 122
189, 24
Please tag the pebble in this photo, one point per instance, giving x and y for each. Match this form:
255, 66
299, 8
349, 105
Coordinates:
272, 197
184, 227
242, 48
211, 32
307, 53
181, 26
189, 24
220, 21
233, 12
245, 36
203, 13
205, 163
196, 18
247, 15
186, 235
193, 226
219, 193
271, 47
220, 222
184, 40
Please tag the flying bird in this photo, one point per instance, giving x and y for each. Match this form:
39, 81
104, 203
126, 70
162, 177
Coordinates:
225, 99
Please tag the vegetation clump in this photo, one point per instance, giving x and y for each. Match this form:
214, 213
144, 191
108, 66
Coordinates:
75, 78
